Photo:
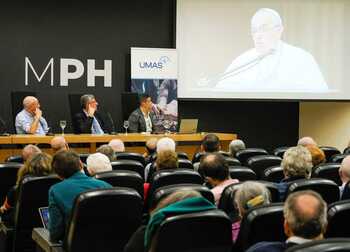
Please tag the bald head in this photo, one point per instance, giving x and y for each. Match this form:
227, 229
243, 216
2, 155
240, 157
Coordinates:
151, 145
305, 141
29, 151
344, 170
117, 145
58, 143
30, 103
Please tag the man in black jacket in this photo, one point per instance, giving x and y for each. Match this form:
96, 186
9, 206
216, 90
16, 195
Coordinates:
89, 120
142, 119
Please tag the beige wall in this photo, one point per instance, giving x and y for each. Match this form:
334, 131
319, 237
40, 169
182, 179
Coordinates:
327, 122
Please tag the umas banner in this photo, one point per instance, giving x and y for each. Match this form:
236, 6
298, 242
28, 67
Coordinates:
154, 72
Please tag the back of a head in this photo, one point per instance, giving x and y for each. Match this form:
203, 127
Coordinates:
151, 145
251, 194
117, 145
235, 146
344, 169
98, 162
107, 150
317, 155
214, 165
65, 163
165, 143
58, 143
29, 150
305, 213
211, 143
167, 160
297, 162
305, 141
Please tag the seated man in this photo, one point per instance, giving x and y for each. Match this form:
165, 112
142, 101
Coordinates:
344, 173
30, 119
210, 143
296, 164
58, 143
235, 146
305, 141
108, 151
151, 147
67, 166
305, 219
29, 151
167, 160
89, 120
117, 145
215, 170
142, 119
98, 162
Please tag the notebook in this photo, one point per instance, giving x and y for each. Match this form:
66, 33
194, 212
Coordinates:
188, 126
44, 215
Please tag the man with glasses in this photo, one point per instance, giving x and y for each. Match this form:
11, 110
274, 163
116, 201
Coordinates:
272, 64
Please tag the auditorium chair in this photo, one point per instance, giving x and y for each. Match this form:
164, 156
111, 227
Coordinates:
123, 178
8, 178
197, 157
279, 152
337, 158
273, 174
259, 163
243, 155
227, 202
346, 192
165, 191
329, 151
130, 165
182, 163
33, 194
338, 217
182, 155
326, 245
14, 159
328, 189
264, 223
83, 157
130, 156
224, 153
232, 161
185, 163
327, 171
346, 150
196, 232
242, 173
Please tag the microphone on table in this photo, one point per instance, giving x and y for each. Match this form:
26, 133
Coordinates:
112, 123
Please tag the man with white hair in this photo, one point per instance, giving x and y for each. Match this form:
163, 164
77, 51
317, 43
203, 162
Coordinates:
29, 151
30, 119
305, 141
98, 162
117, 145
235, 146
58, 143
272, 64
344, 173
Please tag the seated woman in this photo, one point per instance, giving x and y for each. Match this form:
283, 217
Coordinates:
249, 194
38, 165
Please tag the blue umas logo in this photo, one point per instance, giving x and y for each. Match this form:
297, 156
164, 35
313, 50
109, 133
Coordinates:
163, 60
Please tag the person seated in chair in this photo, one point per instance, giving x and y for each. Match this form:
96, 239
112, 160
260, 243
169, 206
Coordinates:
28, 151
117, 145
215, 170
58, 143
344, 174
296, 164
98, 162
89, 120
68, 167
305, 219
142, 119
235, 146
108, 151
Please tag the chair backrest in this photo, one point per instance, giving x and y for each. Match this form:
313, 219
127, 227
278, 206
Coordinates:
329, 151
74, 108
337, 158
185, 163
182, 155
103, 219
197, 232
232, 161
83, 157
123, 178
226, 202
346, 150
33, 194
326, 188
8, 177
15, 159
130, 165
174, 176
242, 173
165, 191
346, 192
243, 155
328, 171
197, 157
326, 245
338, 216
273, 174
279, 151
263, 223
259, 163
130, 156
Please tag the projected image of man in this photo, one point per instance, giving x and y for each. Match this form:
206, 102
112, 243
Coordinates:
272, 64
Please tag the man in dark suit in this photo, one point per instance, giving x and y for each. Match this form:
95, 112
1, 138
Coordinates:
142, 119
89, 120
305, 219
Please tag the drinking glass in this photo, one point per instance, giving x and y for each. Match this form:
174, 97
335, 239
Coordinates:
63, 124
126, 126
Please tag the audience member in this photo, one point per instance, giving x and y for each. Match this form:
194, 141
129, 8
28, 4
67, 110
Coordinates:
151, 147
38, 165
117, 145
68, 166
305, 219
210, 143
58, 143
235, 146
249, 194
30, 119
108, 151
215, 170
98, 162
29, 150
305, 141
296, 164
167, 159
317, 155
344, 173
